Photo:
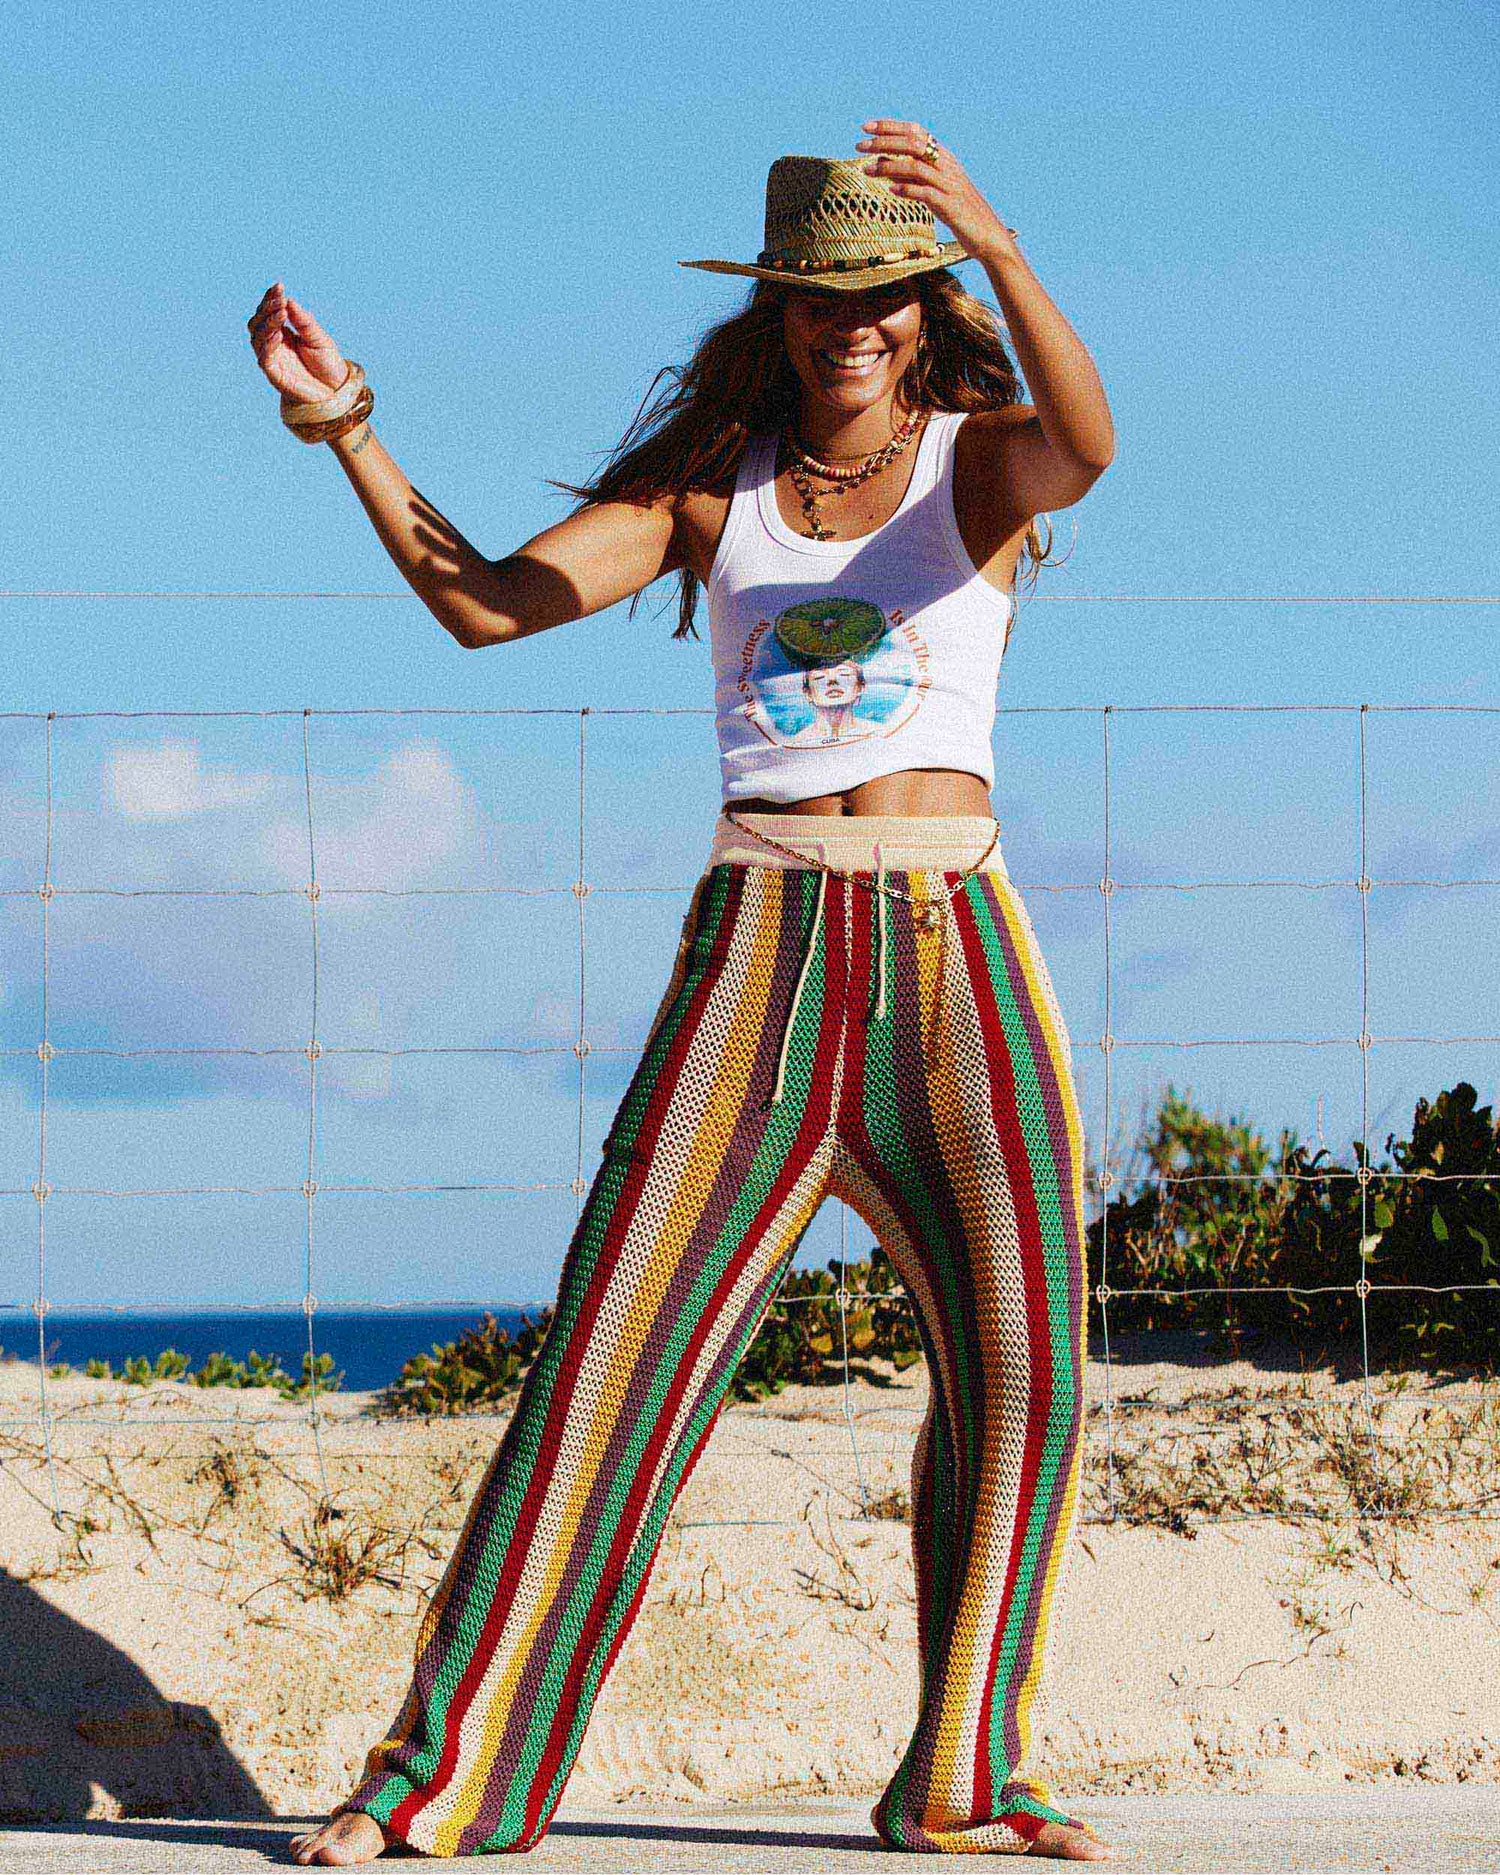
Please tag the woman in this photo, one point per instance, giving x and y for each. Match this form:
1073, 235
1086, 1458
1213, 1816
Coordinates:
859, 1010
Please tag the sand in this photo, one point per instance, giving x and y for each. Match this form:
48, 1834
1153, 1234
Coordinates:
170, 1652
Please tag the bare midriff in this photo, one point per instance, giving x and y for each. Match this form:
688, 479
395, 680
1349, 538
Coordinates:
909, 791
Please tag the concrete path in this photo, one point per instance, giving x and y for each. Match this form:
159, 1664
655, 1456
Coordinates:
1381, 1828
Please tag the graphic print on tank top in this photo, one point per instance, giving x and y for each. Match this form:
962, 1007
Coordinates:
839, 661
832, 670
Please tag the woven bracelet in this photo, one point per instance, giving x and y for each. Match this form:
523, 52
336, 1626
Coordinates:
323, 409
321, 420
337, 426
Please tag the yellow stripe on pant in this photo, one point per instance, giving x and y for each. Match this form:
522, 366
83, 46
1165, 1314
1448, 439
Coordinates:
949, 1122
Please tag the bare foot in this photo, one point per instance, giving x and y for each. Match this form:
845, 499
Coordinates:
1074, 1845
351, 1836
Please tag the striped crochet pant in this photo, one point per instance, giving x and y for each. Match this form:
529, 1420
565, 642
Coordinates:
815, 1037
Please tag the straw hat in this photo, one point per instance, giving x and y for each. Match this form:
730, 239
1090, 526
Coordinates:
832, 223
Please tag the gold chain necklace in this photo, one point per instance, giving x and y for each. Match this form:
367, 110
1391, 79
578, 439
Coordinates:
928, 915
844, 479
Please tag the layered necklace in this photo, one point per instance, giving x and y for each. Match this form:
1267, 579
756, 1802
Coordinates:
802, 461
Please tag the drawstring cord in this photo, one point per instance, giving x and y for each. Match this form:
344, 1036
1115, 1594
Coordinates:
807, 953
786, 1034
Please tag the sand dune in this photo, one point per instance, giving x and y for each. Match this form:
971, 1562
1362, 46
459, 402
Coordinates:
172, 1651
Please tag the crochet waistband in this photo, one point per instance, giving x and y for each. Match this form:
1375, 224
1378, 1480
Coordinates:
858, 842
873, 843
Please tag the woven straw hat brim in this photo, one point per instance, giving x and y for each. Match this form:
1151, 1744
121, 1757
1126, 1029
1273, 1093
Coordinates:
842, 279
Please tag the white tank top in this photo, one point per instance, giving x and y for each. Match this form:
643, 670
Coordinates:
839, 660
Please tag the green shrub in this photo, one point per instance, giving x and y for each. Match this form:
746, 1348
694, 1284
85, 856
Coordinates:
265, 1370
1199, 1215
222, 1370
170, 1364
1208, 1204
1441, 1224
219, 1370
801, 1340
256, 1370
483, 1366
317, 1377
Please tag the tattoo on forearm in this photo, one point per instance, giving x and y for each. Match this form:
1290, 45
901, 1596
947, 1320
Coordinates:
364, 436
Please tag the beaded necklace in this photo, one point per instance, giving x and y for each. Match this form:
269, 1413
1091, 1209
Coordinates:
801, 460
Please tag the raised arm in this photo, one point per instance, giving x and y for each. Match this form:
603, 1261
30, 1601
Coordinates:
593, 558
581, 564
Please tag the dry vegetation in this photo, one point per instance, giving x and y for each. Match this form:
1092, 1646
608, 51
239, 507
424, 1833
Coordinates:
226, 1595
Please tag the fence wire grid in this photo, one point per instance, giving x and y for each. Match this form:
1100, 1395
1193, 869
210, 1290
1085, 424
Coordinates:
314, 1049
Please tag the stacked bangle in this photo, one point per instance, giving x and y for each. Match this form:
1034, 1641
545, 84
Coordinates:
332, 416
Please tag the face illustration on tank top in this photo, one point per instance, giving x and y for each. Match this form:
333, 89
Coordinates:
832, 670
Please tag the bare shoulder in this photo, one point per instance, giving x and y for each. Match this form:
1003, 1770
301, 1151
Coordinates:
1000, 417
699, 516
1004, 456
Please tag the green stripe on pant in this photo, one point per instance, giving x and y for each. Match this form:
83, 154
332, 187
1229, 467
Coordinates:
950, 1124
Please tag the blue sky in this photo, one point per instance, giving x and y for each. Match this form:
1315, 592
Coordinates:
1273, 228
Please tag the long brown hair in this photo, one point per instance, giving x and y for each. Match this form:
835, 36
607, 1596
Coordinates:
740, 381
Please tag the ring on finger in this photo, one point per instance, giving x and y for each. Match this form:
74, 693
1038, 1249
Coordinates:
929, 151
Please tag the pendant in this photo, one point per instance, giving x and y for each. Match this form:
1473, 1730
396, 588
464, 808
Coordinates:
929, 917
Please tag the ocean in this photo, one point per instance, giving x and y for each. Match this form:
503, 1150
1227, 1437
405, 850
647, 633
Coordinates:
367, 1345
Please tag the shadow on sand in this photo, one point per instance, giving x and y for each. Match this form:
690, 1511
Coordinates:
83, 1731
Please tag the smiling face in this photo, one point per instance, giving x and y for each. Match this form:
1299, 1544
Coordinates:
851, 349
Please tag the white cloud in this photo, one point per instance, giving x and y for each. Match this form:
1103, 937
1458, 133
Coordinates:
168, 781
387, 831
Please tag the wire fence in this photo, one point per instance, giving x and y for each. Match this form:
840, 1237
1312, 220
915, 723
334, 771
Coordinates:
1106, 1172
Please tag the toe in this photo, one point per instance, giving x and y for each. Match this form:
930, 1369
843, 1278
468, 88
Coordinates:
307, 1846
1073, 1842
